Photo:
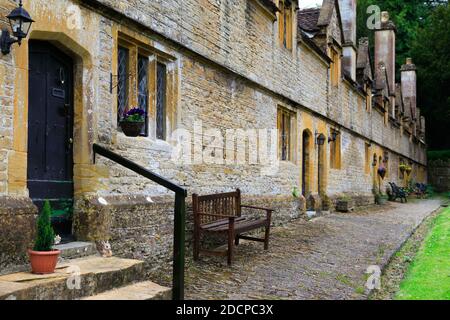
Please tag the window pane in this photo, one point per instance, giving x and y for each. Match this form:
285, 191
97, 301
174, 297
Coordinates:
122, 82
161, 76
143, 89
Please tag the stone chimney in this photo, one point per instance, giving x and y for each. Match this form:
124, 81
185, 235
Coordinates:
409, 88
385, 54
348, 17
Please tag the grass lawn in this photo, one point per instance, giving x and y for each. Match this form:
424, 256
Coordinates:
428, 277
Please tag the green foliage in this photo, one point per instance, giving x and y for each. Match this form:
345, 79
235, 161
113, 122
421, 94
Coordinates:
422, 33
45, 235
431, 54
408, 16
439, 155
427, 277
296, 192
134, 118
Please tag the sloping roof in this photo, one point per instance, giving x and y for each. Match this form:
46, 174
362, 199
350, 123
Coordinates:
270, 4
363, 53
308, 18
326, 12
364, 70
399, 98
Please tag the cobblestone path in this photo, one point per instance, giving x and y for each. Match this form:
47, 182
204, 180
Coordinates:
325, 258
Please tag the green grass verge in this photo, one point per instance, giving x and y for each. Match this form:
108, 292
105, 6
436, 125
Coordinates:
428, 277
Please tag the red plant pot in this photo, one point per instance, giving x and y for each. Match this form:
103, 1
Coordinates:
43, 262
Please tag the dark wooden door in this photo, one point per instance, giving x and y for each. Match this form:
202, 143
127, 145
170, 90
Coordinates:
50, 125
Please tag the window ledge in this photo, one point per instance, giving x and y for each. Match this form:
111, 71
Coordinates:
144, 143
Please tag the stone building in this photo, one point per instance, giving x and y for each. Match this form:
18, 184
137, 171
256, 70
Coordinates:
206, 67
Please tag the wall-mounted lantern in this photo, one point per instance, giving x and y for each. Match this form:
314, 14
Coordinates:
20, 22
320, 139
375, 161
334, 135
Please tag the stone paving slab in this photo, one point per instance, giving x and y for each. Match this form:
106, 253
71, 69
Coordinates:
97, 274
325, 258
145, 290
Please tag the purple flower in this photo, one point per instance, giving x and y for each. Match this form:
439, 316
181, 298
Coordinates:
135, 111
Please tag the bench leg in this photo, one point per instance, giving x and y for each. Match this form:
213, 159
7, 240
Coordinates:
236, 241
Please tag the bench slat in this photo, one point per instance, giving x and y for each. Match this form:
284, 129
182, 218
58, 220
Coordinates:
218, 223
240, 226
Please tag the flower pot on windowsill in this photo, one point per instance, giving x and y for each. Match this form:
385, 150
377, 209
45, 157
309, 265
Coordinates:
132, 128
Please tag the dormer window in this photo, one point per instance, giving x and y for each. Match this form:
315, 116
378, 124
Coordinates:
285, 23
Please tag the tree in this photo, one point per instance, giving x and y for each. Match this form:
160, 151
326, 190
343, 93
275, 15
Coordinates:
408, 16
45, 236
422, 33
431, 54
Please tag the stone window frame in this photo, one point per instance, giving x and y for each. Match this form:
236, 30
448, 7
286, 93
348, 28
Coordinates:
368, 158
140, 46
286, 20
336, 152
335, 66
369, 97
284, 113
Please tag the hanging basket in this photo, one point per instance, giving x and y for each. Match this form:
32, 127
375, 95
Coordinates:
132, 128
382, 172
408, 171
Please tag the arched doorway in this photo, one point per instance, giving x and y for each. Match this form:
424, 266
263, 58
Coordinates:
50, 132
306, 162
321, 164
374, 172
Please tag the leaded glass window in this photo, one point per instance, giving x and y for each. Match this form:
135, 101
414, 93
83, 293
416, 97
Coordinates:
122, 82
143, 89
161, 80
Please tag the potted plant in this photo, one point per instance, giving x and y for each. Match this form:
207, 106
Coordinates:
132, 123
402, 167
43, 257
408, 170
344, 204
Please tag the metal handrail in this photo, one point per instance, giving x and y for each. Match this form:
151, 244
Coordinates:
179, 219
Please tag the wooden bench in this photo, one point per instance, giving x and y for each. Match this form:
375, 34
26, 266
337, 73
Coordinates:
398, 193
221, 214
420, 190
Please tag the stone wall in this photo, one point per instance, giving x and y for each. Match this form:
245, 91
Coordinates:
17, 225
141, 227
229, 72
439, 175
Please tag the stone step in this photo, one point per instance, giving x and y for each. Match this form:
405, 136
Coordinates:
93, 274
74, 250
146, 290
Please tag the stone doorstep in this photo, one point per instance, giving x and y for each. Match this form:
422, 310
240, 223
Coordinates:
97, 275
145, 290
74, 250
